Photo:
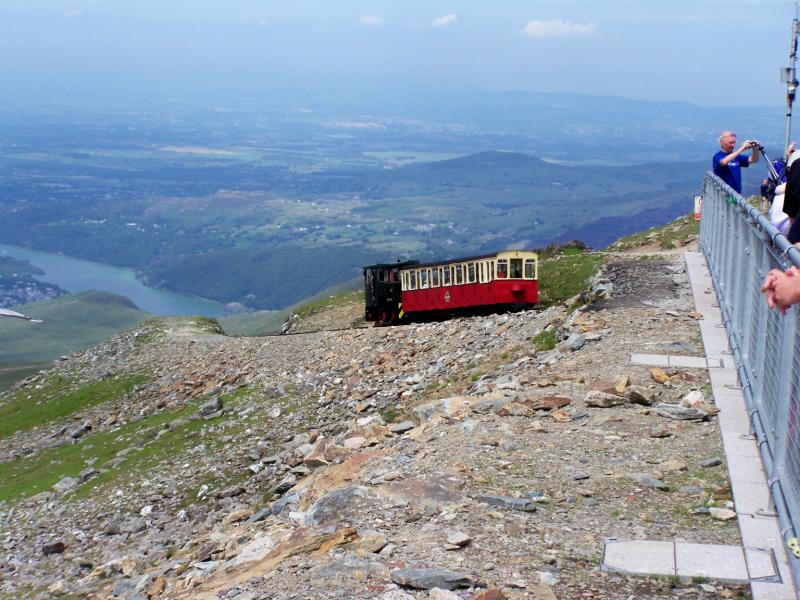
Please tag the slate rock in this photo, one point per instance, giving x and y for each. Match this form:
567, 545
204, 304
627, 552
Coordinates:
523, 504
673, 411
647, 480
285, 484
714, 461
427, 579
260, 514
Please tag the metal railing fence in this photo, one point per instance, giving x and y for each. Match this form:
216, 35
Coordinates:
741, 246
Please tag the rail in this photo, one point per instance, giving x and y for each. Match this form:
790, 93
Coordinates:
741, 246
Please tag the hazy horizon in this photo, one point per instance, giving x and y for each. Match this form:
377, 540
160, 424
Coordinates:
709, 53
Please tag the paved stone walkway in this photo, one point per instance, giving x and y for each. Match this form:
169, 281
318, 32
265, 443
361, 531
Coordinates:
762, 558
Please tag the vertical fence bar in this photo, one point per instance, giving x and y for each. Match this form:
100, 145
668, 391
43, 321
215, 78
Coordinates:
741, 246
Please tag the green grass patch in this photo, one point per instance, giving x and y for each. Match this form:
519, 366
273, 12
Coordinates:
390, 415
31, 407
27, 476
565, 275
544, 340
666, 236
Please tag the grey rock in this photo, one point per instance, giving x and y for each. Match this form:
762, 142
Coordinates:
81, 431
575, 341
335, 506
714, 461
674, 411
402, 427
260, 514
280, 505
212, 408
427, 579
134, 525
87, 474
647, 480
550, 357
458, 538
65, 484
492, 405
523, 504
285, 484
177, 424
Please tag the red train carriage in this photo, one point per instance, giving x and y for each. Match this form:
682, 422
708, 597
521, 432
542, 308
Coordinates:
477, 285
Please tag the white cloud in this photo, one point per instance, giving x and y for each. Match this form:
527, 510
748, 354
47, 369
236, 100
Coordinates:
371, 21
445, 20
538, 30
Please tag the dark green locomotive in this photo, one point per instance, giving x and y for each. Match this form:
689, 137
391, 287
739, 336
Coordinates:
383, 293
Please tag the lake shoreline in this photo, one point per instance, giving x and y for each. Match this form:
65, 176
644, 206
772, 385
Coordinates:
78, 275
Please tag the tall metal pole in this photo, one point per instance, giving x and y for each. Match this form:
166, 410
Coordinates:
790, 76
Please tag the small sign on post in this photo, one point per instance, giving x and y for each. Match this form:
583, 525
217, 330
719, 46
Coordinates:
698, 207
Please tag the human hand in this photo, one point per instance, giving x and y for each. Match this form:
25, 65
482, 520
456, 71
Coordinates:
791, 148
782, 288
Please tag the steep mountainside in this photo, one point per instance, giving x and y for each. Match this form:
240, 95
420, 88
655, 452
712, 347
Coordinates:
176, 462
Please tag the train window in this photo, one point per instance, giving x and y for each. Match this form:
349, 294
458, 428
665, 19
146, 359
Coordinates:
530, 268
481, 276
382, 275
446, 276
471, 273
491, 270
516, 268
459, 274
423, 279
412, 279
502, 268
435, 277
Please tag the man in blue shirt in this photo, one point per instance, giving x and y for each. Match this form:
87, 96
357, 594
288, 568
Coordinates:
728, 163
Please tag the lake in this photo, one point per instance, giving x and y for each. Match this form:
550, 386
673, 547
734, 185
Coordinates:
75, 275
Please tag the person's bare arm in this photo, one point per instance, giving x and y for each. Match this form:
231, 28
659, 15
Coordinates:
735, 153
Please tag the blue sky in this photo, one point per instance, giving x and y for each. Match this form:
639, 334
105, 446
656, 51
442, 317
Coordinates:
709, 52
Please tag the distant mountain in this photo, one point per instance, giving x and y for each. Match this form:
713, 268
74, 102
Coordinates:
69, 323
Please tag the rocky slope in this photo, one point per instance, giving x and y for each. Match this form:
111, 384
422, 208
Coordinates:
466, 459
